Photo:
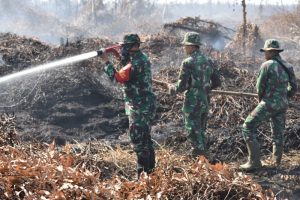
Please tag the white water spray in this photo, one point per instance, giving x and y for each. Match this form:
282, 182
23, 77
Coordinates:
44, 67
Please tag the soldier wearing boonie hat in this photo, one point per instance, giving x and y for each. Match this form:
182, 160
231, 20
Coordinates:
192, 38
276, 83
271, 44
197, 77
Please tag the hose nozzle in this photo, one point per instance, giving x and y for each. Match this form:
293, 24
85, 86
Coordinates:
112, 49
101, 51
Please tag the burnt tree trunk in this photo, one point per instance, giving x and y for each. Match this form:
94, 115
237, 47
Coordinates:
244, 25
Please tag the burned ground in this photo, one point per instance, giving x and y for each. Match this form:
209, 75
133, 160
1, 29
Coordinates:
78, 103
69, 103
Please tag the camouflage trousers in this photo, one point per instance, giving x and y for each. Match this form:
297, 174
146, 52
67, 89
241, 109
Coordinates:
139, 132
261, 114
195, 126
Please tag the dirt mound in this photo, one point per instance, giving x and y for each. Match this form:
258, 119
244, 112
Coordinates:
18, 52
67, 103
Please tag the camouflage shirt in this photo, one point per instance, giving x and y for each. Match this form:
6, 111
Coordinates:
196, 77
273, 84
138, 93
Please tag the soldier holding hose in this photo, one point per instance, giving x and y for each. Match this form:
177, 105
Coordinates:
140, 101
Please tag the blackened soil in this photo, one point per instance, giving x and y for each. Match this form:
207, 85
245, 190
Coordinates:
77, 103
72, 103
88, 116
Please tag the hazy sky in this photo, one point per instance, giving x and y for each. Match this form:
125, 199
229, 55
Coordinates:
279, 2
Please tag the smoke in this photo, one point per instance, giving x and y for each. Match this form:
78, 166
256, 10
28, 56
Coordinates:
25, 18
219, 43
55, 21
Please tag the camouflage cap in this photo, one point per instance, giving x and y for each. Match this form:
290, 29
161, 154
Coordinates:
192, 38
130, 39
271, 44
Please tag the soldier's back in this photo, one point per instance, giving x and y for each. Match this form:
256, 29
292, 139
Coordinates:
276, 85
201, 71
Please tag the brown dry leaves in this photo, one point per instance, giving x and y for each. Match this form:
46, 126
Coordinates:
34, 172
253, 41
44, 172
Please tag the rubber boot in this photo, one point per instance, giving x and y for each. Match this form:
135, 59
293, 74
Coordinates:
254, 162
277, 152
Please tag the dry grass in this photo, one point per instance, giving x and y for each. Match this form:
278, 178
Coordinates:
39, 171
283, 24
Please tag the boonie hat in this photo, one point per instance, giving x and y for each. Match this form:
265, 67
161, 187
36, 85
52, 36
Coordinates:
192, 38
271, 44
130, 39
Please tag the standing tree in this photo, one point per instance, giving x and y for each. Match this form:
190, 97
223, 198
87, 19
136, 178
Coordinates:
244, 25
261, 9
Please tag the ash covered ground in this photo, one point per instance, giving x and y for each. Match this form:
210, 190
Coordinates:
77, 103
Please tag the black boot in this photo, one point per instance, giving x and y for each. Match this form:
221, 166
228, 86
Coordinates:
145, 161
151, 164
139, 170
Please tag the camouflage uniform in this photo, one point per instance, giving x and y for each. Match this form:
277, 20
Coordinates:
196, 77
140, 104
274, 87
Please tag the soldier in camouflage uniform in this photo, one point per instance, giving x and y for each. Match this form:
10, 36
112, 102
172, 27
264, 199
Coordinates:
275, 85
197, 77
140, 101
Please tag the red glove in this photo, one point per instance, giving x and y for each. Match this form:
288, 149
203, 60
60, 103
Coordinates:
123, 74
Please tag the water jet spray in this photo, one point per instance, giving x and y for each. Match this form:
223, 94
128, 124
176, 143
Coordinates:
66, 61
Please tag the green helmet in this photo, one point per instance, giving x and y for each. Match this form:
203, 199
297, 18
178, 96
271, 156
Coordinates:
271, 44
192, 38
131, 39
